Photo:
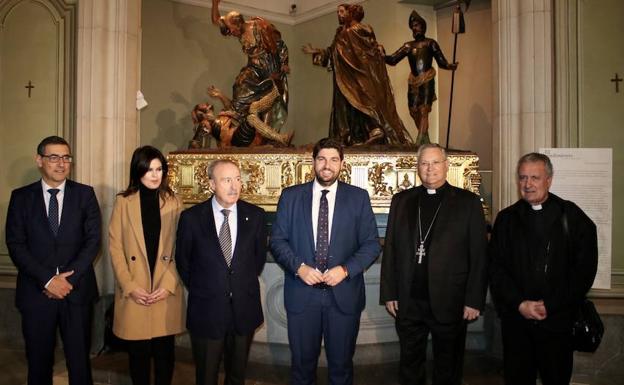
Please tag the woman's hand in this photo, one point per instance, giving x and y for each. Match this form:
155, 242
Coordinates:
158, 295
140, 296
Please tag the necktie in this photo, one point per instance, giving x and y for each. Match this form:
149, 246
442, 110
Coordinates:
225, 238
322, 234
53, 211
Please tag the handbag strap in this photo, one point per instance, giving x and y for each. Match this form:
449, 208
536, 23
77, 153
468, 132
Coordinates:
566, 233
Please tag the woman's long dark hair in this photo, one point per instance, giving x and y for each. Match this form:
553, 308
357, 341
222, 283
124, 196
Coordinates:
140, 164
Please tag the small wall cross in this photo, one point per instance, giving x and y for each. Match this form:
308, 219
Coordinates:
617, 81
30, 87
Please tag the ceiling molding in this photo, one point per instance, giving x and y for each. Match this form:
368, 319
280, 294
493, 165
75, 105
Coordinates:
282, 15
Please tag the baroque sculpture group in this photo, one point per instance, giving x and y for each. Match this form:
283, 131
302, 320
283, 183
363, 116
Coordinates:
363, 110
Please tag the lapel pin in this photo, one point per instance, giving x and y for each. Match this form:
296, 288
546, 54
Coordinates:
246, 218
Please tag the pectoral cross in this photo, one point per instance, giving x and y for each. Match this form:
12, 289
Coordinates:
617, 81
30, 87
421, 252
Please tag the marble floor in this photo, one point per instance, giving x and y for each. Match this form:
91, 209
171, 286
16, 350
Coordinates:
111, 368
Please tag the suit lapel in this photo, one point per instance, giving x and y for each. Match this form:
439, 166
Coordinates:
412, 220
307, 214
134, 211
41, 215
69, 207
166, 224
447, 209
242, 223
340, 209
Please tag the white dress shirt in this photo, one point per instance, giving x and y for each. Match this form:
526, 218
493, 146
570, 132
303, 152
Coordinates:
316, 203
232, 220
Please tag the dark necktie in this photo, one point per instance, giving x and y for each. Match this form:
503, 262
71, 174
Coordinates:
322, 234
53, 211
225, 238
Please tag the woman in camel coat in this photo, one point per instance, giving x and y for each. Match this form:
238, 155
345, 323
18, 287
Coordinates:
149, 299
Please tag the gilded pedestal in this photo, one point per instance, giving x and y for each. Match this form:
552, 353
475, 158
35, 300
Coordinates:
266, 172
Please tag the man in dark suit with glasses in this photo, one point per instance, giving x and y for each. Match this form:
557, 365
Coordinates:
53, 234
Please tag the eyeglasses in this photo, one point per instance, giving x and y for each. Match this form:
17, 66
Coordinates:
57, 158
434, 163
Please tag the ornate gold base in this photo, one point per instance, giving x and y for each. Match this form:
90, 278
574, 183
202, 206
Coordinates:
266, 171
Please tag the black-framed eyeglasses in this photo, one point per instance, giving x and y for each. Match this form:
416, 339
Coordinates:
53, 158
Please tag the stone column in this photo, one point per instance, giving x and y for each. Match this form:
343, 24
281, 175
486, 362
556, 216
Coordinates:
107, 129
523, 88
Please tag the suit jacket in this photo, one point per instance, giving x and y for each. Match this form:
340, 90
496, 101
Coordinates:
130, 264
37, 253
353, 243
215, 291
457, 268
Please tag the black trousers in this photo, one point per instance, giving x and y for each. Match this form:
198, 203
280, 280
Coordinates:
207, 354
39, 326
141, 353
529, 349
413, 324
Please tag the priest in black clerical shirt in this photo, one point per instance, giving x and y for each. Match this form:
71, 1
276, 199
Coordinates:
544, 256
434, 270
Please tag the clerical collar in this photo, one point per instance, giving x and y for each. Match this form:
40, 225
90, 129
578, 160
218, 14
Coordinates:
439, 190
540, 206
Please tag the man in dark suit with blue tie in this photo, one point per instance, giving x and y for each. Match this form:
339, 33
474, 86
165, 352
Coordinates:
324, 236
53, 234
220, 252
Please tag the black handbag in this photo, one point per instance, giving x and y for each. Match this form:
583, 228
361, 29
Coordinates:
587, 329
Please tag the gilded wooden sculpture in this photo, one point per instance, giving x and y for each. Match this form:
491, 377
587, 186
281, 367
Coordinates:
259, 105
363, 110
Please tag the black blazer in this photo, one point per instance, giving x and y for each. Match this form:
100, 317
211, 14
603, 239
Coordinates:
212, 286
457, 269
37, 253
570, 265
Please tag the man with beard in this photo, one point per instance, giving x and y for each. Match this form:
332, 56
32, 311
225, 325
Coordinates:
434, 270
544, 257
363, 109
420, 53
324, 237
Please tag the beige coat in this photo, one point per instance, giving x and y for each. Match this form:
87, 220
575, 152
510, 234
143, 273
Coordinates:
131, 267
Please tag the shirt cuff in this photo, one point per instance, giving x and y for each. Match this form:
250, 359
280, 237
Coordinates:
297, 271
48, 283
